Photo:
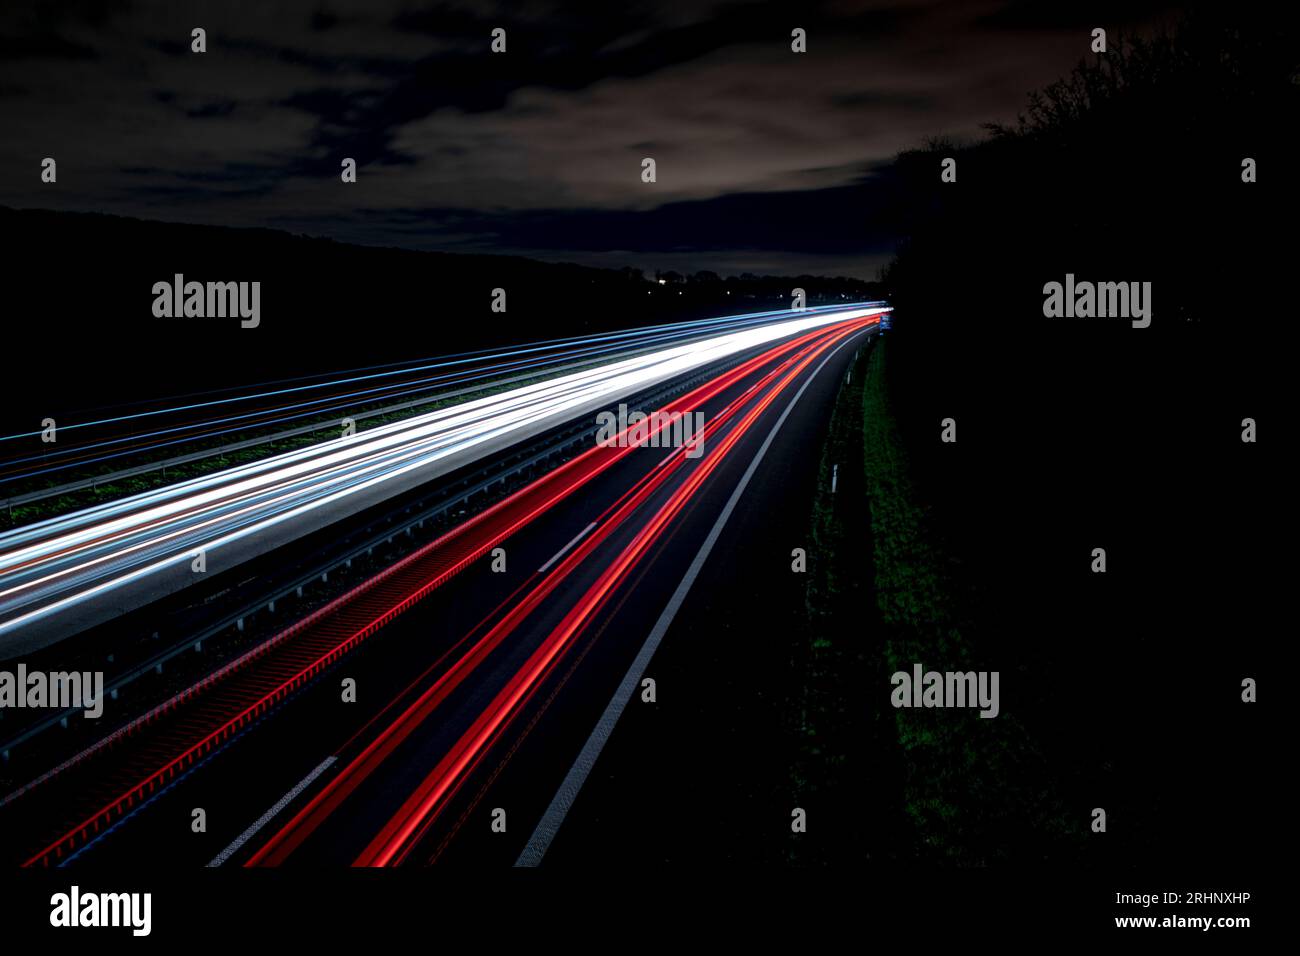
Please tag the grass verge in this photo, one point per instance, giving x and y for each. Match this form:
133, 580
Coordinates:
921, 785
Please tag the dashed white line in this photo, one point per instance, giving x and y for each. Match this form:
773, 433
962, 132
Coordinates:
265, 818
565, 550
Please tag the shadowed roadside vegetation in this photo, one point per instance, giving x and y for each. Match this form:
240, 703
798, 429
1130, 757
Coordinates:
1074, 434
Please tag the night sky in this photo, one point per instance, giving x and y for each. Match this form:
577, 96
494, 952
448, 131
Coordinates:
768, 161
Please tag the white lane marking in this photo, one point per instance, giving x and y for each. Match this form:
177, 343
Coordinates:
265, 818
565, 550
554, 816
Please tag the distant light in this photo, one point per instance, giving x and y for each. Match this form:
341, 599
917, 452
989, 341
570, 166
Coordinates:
662, 281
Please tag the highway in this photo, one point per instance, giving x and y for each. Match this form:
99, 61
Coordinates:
464, 675
67, 573
122, 436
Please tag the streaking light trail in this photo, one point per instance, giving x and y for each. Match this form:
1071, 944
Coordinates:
68, 562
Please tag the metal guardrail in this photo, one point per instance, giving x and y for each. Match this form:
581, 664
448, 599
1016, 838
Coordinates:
452, 497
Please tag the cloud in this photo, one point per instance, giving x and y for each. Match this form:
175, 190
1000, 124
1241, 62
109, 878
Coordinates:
538, 150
